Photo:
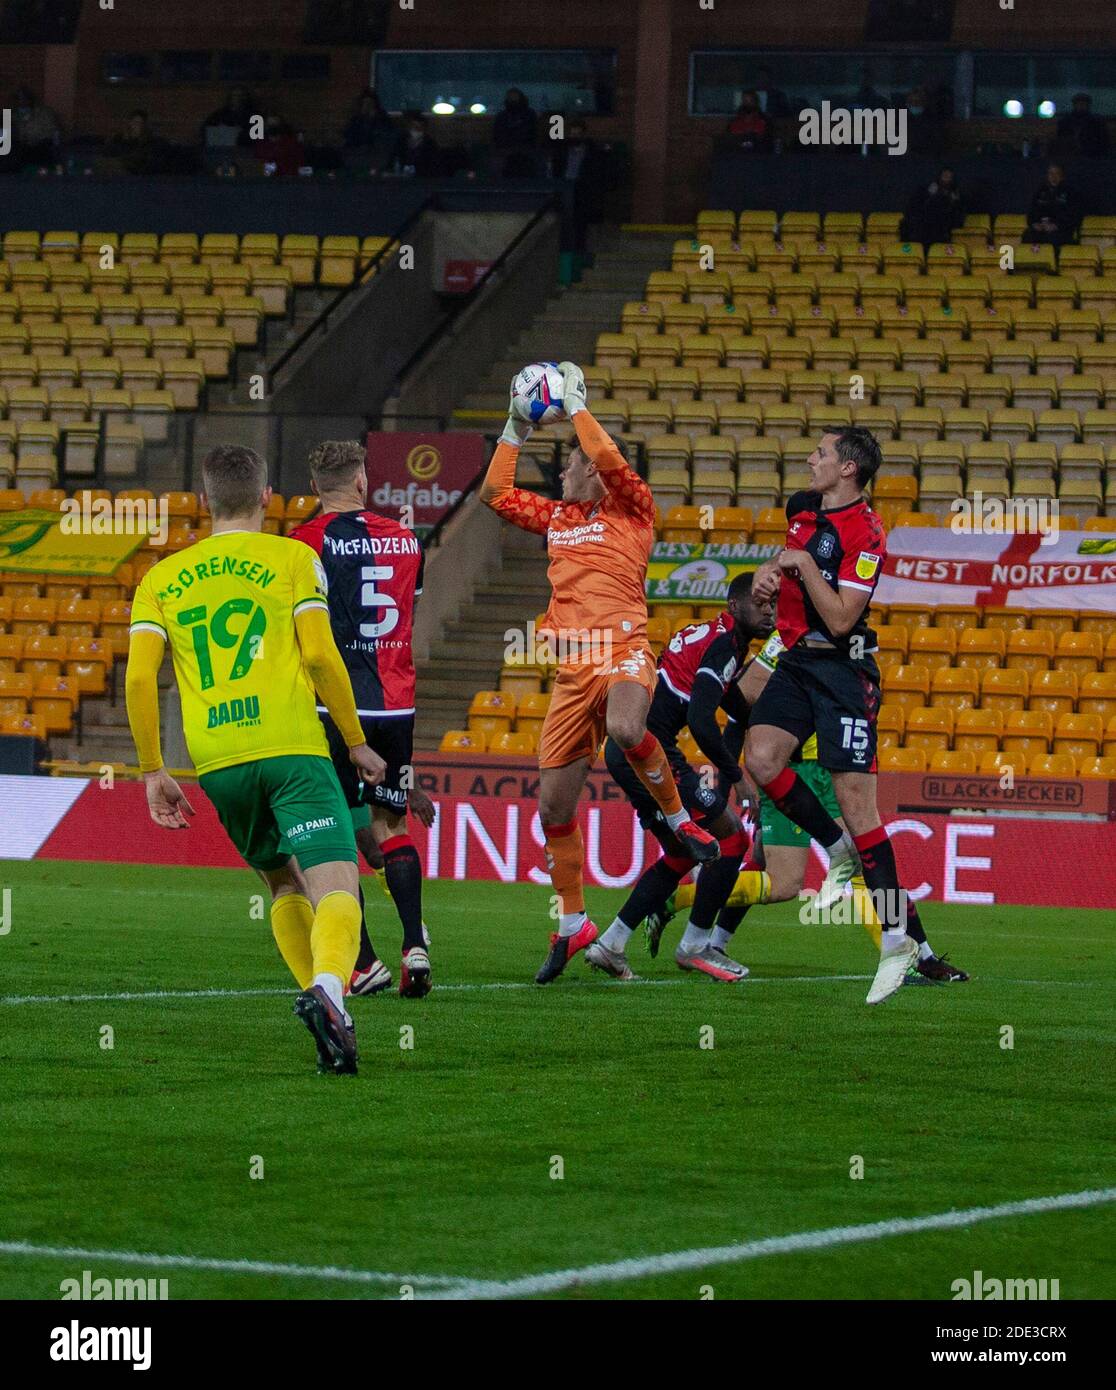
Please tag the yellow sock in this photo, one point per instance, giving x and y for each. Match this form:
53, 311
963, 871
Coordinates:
751, 887
291, 920
865, 909
335, 935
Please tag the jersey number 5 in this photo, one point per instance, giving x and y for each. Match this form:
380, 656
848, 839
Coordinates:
203, 629
370, 597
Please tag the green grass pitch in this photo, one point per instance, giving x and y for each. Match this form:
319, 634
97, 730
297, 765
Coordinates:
437, 1161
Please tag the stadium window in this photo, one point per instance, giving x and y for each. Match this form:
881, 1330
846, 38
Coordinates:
1032, 78
474, 81
121, 68
193, 65
243, 65
719, 78
304, 67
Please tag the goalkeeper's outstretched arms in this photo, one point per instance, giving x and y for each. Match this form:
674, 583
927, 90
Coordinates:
615, 472
527, 510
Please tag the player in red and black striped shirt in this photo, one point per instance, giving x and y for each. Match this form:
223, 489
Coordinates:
827, 682
374, 567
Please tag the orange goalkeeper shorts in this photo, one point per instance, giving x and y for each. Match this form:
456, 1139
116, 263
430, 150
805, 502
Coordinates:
574, 726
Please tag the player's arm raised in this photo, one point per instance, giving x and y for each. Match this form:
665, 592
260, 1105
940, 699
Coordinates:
522, 508
613, 469
166, 801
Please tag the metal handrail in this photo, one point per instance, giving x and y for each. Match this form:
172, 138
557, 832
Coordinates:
357, 282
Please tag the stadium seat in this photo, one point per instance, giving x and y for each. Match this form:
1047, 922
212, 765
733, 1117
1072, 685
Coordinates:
960, 762
978, 730
1057, 765
933, 647
1079, 652
1029, 649
890, 725
1079, 734
902, 760
1027, 731
954, 687
463, 741
520, 744
995, 764
906, 685
1104, 768
893, 639
1053, 691
1004, 690
929, 728
1097, 694
910, 615
980, 649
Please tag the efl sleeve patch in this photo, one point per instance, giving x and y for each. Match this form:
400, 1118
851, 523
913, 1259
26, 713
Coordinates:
867, 564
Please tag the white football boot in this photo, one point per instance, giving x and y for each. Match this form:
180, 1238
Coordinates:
614, 963
844, 862
892, 969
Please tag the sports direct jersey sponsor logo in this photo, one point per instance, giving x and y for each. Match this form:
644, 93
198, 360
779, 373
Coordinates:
243, 713
577, 535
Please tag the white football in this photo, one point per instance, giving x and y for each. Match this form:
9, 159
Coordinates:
537, 394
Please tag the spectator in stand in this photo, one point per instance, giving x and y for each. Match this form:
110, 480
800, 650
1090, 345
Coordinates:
236, 114
1082, 133
416, 151
934, 211
1055, 211
36, 134
137, 148
750, 128
514, 135
923, 125
281, 150
370, 131
772, 102
579, 160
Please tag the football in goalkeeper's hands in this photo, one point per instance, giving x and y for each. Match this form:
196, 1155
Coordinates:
536, 394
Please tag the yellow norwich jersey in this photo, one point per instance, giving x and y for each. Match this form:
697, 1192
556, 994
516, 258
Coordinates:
768, 656
227, 606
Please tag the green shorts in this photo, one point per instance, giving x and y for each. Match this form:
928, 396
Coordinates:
777, 829
275, 807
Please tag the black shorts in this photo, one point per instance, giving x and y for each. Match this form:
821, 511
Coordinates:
825, 692
394, 740
704, 803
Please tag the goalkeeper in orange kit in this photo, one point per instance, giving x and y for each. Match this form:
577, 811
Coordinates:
599, 537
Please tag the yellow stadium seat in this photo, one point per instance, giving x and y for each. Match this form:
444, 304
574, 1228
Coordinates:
902, 760
1004, 690
1054, 692
890, 725
1027, 731
929, 728
954, 687
463, 741
906, 685
978, 730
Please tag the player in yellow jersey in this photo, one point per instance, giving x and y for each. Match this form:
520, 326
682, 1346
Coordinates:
246, 618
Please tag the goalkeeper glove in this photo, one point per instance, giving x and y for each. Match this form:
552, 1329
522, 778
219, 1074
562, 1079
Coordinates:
573, 388
516, 431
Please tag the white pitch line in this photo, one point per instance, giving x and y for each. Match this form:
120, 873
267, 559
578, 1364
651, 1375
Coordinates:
453, 1286
288, 1271
676, 1261
10, 1000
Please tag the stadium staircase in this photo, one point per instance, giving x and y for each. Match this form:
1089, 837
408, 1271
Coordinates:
471, 652
569, 324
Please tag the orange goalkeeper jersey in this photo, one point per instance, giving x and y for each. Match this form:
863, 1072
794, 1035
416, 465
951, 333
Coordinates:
598, 551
